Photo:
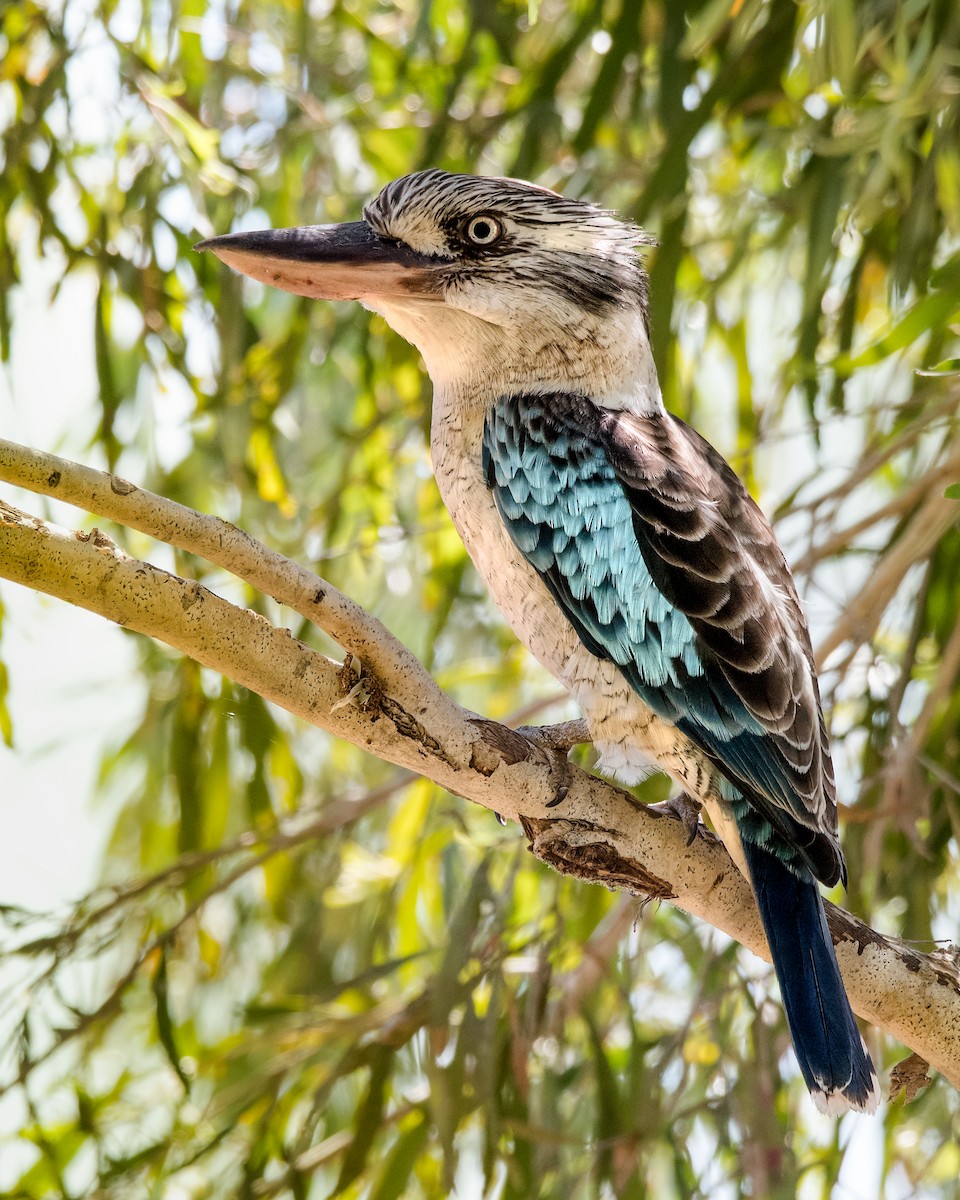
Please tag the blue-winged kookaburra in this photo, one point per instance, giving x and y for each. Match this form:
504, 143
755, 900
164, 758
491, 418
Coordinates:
619, 545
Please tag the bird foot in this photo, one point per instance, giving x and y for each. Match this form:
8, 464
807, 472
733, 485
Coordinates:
682, 808
558, 741
548, 744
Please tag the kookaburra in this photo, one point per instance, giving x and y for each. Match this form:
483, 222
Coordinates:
619, 544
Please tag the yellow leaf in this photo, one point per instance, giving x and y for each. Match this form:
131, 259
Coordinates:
701, 1050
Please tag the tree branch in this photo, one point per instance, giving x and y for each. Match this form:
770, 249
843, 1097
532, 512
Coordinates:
219, 542
600, 833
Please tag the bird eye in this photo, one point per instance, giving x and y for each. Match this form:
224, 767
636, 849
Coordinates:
483, 231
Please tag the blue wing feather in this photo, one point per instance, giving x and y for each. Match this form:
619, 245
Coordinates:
569, 512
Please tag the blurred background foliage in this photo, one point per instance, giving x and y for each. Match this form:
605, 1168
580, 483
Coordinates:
307, 975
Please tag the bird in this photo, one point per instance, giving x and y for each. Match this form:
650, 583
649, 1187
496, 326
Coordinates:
618, 543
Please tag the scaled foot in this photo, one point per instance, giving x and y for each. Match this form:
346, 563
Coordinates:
682, 808
558, 740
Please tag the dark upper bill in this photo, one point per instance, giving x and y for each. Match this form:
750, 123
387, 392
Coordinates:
328, 262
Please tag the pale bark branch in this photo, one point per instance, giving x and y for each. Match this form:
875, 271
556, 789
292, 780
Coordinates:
600, 833
221, 543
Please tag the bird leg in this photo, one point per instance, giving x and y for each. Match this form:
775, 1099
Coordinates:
682, 808
563, 736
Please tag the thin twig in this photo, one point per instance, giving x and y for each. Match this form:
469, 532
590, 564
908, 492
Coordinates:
860, 619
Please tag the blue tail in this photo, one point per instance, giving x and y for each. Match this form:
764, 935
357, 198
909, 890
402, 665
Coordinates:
833, 1059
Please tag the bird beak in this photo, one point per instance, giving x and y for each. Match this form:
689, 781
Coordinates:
328, 262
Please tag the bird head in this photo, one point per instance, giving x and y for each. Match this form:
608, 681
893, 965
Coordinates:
487, 277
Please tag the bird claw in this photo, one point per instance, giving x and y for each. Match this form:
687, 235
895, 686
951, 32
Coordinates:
560, 795
682, 808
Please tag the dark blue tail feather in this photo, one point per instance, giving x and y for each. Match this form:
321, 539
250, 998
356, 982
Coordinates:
833, 1060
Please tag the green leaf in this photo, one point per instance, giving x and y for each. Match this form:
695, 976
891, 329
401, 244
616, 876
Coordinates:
929, 313
368, 1118
165, 1028
949, 366
394, 1179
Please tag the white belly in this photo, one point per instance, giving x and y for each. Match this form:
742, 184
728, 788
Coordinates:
631, 740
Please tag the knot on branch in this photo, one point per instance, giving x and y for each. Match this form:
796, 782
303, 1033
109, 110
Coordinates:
500, 744
590, 853
910, 1076
360, 687
96, 537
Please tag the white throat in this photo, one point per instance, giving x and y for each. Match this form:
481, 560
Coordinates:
470, 359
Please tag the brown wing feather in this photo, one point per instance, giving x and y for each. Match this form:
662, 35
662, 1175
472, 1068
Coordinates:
713, 554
